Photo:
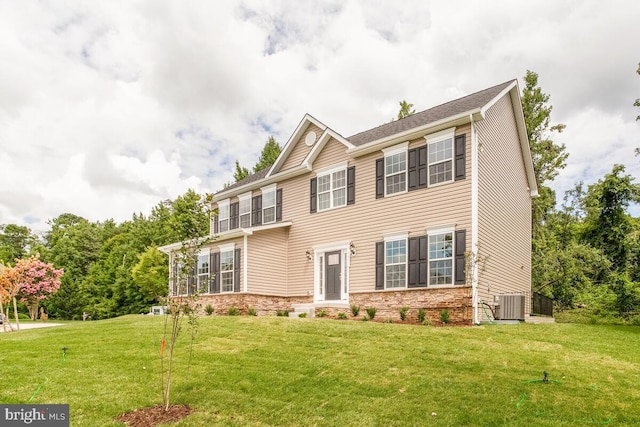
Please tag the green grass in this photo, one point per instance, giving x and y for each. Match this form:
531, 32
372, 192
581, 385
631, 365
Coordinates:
274, 371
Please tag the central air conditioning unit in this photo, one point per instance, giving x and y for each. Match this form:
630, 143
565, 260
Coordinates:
509, 307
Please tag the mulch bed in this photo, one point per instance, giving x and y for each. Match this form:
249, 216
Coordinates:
154, 415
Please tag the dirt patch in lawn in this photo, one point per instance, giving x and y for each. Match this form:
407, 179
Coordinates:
154, 415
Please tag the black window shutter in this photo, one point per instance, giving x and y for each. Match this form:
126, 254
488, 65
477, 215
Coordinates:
214, 286
418, 253
234, 212
461, 242
192, 281
460, 164
423, 167
351, 185
413, 267
313, 194
412, 169
236, 270
279, 204
215, 224
380, 178
379, 266
256, 210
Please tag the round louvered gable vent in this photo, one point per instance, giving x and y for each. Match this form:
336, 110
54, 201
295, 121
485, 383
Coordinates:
310, 139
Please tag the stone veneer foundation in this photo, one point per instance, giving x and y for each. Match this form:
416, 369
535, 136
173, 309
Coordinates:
387, 303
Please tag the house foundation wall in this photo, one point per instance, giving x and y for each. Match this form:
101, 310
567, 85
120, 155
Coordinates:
457, 301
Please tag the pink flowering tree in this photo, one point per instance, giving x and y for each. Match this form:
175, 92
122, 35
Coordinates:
36, 280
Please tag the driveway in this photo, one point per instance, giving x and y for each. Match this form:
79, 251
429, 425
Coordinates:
29, 325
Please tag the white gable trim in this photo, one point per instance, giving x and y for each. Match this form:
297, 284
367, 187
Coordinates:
291, 143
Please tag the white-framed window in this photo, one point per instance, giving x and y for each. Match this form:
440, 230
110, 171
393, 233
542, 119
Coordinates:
202, 271
269, 204
440, 156
441, 258
395, 169
332, 187
245, 210
395, 262
223, 216
179, 280
226, 271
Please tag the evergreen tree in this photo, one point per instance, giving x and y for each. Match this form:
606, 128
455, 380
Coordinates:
405, 110
269, 154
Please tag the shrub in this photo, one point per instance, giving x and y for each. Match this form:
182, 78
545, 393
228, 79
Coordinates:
233, 311
355, 310
422, 315
209, 309
426, 322
282, 313
403, 312
321, 313
302, 315
342, 315
371, 312
444, 316
252, 311
388, 320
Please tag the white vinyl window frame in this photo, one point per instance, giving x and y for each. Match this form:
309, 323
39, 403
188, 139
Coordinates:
441, 247
203, 270
227, 268
440, 154
395, 169
244, 201
269, 204
332, 187
223, 216
395, 261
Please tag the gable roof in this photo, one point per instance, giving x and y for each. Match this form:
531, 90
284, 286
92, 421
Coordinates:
470, 107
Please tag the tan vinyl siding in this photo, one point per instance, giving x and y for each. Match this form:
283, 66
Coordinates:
301, 150
504, 207
267, 262
369, 219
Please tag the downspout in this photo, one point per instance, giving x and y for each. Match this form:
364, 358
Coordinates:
245, 257
474, 220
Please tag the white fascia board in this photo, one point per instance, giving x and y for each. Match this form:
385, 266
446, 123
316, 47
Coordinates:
417, 132
172, 247
524, 140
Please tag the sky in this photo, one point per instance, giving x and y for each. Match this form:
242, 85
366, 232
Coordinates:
108, 108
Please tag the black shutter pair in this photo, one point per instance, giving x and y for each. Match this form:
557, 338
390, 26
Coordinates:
418, 168
417, 266
351, 190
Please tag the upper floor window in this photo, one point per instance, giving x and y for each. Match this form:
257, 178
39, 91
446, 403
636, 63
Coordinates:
269, 204
391, 172
223, 216
440, 155
245, 210
332, 189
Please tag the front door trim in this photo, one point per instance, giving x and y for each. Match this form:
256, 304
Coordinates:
319, 288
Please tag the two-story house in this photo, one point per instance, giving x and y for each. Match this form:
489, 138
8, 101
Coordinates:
431, 212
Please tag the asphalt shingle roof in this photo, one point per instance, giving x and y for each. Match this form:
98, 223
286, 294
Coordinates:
451, 108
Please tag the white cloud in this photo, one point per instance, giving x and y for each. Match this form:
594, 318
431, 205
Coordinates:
106, 109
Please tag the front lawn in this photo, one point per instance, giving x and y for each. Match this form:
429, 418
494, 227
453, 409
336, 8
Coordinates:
273, 371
